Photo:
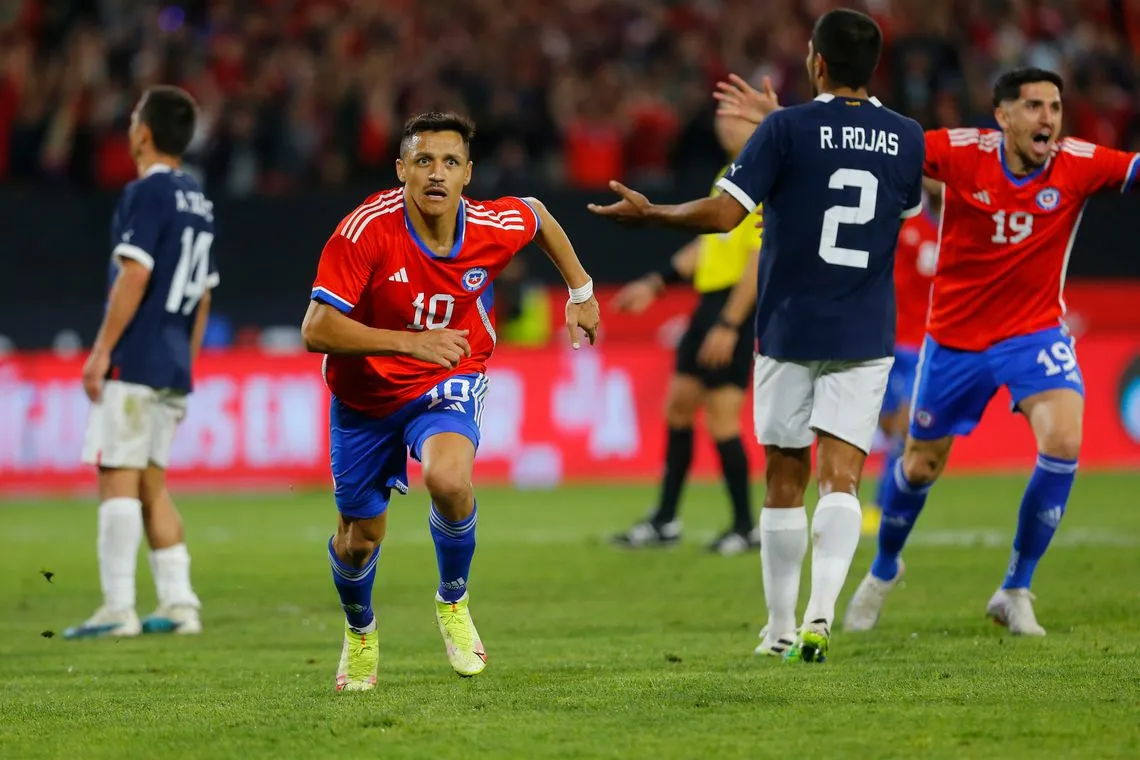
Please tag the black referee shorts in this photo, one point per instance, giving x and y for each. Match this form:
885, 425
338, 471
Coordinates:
704, 318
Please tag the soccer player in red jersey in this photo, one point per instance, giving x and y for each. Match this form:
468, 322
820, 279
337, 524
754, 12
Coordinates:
402, 308
915, 259
1013, 202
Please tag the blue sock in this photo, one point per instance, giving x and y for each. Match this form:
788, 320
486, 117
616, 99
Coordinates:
901, 502
354, 584
891, 458
454, 548
1041, 511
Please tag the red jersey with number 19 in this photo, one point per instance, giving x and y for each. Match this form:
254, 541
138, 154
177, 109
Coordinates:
376, 270
1006, 240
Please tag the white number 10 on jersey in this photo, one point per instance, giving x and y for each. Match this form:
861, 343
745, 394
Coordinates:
440, 302
868, 185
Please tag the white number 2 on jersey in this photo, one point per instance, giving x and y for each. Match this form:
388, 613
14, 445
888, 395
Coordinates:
193, 271
868, 185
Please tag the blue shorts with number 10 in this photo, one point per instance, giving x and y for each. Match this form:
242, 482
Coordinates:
954, 387
370, 454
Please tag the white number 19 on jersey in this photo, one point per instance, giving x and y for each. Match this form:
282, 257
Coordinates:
868, 185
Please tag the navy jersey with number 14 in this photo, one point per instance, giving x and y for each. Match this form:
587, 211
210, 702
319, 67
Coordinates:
836, 176
164, 222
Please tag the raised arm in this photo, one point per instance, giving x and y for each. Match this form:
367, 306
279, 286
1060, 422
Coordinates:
738, 98
717, 214
744, 186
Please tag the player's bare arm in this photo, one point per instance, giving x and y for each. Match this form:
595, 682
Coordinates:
126, 295
720, 213
326, 330
738, 98
720, 342
636, 296
582, 310
201, 318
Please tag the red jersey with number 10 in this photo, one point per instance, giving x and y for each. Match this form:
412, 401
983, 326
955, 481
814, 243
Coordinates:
1006, 240
376, 270
916, 258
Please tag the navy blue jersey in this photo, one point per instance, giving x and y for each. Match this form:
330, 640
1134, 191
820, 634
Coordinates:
164, 222
836, 176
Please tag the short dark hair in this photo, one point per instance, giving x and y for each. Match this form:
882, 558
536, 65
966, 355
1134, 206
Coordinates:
438, 121
170, 113
850, 43
1008, 85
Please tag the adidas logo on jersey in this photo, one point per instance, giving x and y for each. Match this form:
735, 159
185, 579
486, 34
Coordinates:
456, 407
401, 276
982, 196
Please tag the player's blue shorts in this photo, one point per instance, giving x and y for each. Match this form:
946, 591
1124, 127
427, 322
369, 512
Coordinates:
900, 383
370, 454
955, 386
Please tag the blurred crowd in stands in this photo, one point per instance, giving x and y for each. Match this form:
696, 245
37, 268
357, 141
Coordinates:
307, 93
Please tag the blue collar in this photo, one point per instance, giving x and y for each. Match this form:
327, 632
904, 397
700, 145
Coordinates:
460, 230
1016, 180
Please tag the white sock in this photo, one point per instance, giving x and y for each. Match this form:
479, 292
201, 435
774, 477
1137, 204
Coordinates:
120, 532
171, 569
783, 544
835, 532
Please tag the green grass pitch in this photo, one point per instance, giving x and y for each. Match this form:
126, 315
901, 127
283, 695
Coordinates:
594, 653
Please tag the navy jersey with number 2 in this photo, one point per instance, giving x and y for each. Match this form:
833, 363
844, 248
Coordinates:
836, 177
164, 222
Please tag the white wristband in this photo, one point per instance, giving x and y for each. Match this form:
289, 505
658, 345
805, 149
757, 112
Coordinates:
582, 294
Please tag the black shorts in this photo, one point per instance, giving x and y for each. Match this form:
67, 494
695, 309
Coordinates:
703, 319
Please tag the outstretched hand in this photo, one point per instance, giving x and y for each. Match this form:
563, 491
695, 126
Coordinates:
742, 100
633, 206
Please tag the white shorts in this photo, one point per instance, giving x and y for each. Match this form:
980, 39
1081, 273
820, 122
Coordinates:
132, 426
793, 400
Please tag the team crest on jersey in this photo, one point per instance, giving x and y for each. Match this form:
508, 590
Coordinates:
1048, 198
924, 418
474, 278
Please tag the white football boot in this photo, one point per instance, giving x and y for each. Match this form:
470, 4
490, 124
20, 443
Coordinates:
866, 605
1013, 608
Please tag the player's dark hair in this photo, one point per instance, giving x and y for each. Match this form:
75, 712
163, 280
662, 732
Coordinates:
437, 121
1008, 85
850, 43
170, 113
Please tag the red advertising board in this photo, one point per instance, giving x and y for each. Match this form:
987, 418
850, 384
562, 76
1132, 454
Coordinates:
552, 416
